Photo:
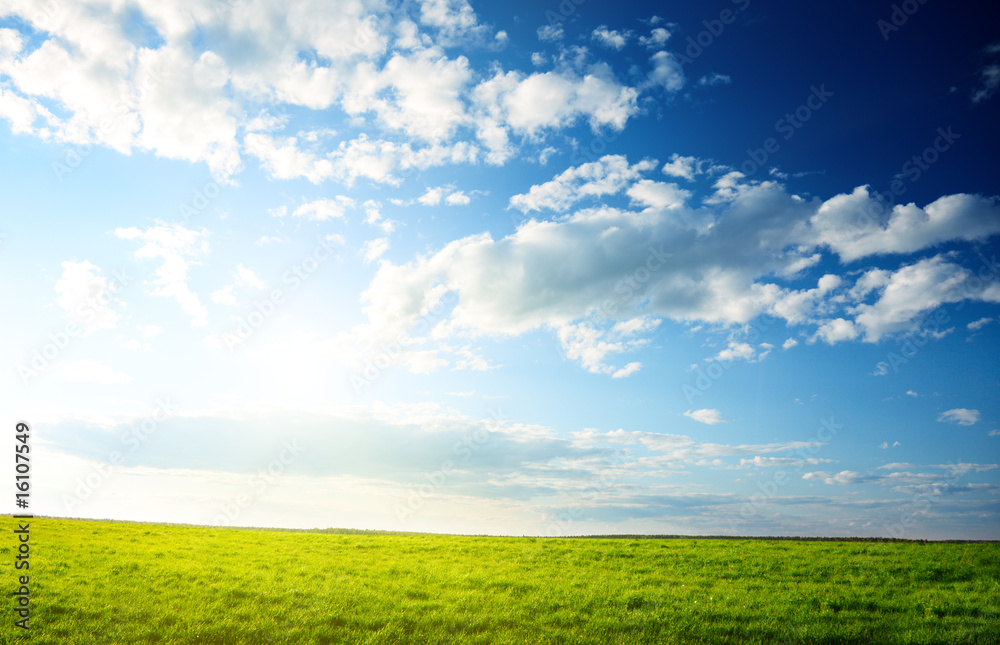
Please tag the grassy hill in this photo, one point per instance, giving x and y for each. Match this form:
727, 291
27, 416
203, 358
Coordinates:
109, 582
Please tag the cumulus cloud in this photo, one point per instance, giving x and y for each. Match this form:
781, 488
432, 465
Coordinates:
906, 295
849, 224
382, 160
321, 210
284, 159
550, 33
666, 73
590, 346
432, 197
610, 38
179, 248
511, 102
743, 352
836, 330
707, 416
607, 176
180, 96
680, 166
373, 217
457, 198
373, 249
695, 267
658, 36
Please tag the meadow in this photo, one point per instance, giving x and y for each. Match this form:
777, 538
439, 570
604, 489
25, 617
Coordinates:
103, 582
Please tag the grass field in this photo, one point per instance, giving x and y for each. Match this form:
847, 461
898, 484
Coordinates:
97, 582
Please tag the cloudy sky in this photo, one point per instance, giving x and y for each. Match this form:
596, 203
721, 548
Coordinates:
524, 268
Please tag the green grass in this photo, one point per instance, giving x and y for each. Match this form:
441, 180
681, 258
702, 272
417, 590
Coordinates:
97, 582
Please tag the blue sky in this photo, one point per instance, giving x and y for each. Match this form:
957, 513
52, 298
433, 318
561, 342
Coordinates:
549, 269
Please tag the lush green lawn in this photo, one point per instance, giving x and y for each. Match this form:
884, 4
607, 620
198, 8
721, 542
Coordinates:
95, 582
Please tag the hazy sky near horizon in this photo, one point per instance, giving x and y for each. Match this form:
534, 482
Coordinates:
535, 268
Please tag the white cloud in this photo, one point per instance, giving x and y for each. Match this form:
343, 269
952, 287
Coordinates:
325, 209
789, 343
797, 307
179, 247
611, 38
373, 217
380, 160
186, 96
447, 14
425, 100
186, 113
88, 370
942, 488
885, 446
881, 369
697, 267
283, 158
658, 196
709, 416
656, 39
629, 369
609, 175
961, 416
989, 82
843, 478
373, 249
961, 469
771, 462
87, 296
457, 198
591, 346
742, 351
432, 197
849, 224
836, 330
532, 104
713, 79
976, 325
666, 73
684, 167
906, 295
550, 33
